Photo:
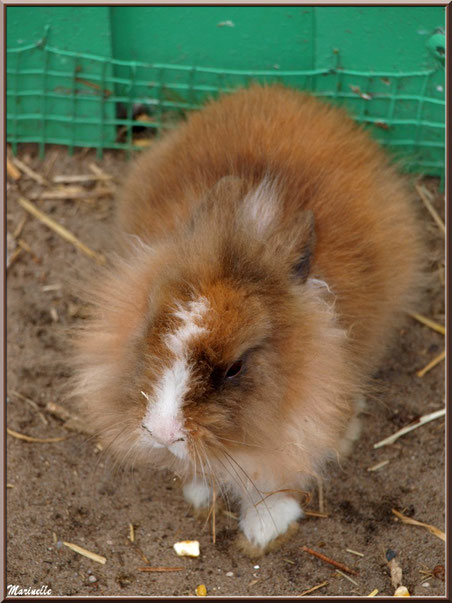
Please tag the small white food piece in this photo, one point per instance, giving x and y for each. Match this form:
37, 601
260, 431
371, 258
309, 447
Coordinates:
187, 548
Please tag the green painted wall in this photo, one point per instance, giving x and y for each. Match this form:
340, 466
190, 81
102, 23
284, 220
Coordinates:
84, 29
392, 38
98, 63
384, 38
234, 37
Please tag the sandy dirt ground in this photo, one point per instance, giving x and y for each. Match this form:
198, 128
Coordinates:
68, 490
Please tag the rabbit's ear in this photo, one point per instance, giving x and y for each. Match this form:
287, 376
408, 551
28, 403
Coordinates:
292, 241
228, 186
225, 195
260, 210
305, 246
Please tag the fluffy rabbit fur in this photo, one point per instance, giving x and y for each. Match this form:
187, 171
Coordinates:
266, 251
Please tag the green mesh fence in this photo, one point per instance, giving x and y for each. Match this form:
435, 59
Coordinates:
82, 100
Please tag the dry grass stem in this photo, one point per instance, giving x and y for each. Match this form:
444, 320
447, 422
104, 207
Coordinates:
435, 531
428, 322
311, 590
421, 421
71, 422
62, 192
354, 552
374, 593
20, 227
161, 569
12, 170
81, 551
60, 230
99, 172
32, 403
131, 532
26, 247
13, 257
72, 192
424, 194
63, 179
31, 173
55, 287
336, 564
140, 552
432, 364
58, 411
23, 398
27, 438
348, 577
378, 466
316, 514
50, 162
101, 175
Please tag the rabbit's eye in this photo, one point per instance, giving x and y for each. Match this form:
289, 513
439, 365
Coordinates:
233, 370
220, 375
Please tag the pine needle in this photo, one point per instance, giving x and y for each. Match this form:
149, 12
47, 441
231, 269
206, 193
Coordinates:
336, 564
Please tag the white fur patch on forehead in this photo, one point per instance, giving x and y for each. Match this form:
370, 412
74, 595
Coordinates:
260, 206
190, 316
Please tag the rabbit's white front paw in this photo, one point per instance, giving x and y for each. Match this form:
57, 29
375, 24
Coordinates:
197, 494
264, 522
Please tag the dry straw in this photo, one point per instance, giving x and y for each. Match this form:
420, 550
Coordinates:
60, 230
